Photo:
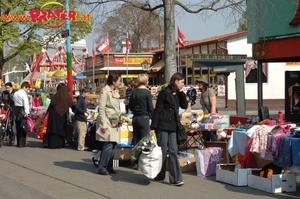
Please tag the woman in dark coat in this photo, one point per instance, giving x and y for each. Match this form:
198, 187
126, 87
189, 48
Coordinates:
164, 122
57, 119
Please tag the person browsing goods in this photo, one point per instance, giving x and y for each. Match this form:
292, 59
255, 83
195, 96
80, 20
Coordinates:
208, 101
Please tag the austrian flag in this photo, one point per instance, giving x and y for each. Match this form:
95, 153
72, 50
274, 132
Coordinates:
180, 37
104, 47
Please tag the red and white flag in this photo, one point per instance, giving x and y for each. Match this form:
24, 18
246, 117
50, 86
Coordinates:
104, 47
180, 37
93, 53
127, 42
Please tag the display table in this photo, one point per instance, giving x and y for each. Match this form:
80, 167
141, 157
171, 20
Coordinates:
237, 144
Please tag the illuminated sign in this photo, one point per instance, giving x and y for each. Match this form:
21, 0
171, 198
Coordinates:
57, 16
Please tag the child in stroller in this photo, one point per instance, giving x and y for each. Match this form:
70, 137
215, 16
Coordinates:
6, 133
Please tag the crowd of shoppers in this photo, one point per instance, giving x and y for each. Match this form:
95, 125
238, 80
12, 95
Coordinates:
147, 120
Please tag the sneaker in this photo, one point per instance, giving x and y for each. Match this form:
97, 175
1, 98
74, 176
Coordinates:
95, 162
84, 149
178, 183
112, 172
103, 173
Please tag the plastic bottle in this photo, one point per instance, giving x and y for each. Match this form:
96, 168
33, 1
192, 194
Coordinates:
239, 124
280, 117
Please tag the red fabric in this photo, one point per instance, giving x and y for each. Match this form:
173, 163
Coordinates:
3, 115
36, 102
104, 47
249, 158
180, 37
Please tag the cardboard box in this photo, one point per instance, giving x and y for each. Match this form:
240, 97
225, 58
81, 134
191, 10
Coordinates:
222, 126
274, 184
123, 153
125, 141
126, 134
186, 164
232, 174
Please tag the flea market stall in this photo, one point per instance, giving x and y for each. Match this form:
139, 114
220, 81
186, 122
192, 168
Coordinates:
273, 30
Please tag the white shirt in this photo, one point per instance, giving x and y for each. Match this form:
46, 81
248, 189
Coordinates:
21, 99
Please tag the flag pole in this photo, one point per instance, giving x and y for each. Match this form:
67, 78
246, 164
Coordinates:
93, 72
178, 57
127, 65
108, 63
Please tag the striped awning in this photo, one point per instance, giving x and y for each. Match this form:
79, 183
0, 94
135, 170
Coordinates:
156, 67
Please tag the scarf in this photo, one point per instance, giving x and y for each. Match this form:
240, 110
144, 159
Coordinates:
62, 101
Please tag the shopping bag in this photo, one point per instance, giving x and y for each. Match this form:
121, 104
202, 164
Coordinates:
150, 162
207, 159
136, 151
43, 127
30, 125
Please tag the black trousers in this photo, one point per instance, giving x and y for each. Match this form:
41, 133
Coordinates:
141, 127
210, 135
21, 135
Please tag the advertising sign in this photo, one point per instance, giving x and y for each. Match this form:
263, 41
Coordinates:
292, 96
51, 18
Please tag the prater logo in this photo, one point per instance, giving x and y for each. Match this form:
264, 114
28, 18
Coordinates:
57, 16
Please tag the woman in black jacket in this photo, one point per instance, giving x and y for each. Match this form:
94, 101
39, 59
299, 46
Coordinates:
164, 122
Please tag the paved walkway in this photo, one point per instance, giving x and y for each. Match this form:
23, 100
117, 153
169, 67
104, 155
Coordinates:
38, 173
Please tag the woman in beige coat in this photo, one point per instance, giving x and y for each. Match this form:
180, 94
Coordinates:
109, 107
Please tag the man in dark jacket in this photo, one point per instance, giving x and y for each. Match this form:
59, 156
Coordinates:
7, 101
80, 118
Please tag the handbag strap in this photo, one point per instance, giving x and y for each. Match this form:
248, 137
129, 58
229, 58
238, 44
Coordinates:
208, 109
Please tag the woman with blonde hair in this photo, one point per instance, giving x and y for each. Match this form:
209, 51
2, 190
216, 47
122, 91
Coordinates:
141, 105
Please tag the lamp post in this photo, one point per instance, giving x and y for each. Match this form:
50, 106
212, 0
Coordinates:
69, 56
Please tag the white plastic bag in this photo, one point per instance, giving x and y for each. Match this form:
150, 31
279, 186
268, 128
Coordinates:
151, 163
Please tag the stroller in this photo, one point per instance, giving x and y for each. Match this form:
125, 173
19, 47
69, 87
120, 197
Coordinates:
6, 132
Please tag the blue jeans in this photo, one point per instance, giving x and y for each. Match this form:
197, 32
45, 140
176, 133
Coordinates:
107, 157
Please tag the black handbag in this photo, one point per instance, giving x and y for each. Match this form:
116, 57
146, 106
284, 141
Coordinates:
181, 134
24, 125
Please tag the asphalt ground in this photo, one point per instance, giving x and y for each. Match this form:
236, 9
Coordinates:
38, 173
35, 172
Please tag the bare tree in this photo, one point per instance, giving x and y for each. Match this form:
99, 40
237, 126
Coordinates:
144, 28
236, 7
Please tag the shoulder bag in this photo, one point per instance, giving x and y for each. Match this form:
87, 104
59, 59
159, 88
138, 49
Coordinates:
181, 134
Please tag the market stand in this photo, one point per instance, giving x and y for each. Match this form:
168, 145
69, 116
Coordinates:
273, 29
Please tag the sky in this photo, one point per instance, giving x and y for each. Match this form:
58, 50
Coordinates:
194, 27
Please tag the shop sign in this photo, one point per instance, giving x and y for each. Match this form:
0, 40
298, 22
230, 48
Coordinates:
131, 60
58, 16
